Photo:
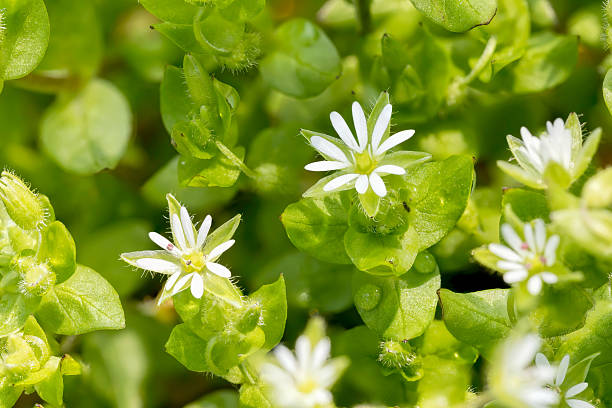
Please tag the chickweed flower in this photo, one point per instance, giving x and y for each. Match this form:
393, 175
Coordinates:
527, 258
566, 392
360, 162
187, 259
515, 381
561, 143
302, 380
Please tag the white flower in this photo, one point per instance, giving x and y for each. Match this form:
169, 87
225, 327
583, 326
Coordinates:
528, 257
187, 258
302, 380
554, 145
515, 381
559, 379
361, 161
561, 143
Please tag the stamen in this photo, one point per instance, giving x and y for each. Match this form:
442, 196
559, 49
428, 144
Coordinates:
525, 246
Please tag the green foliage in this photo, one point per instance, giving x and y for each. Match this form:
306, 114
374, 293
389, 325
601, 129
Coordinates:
458, 16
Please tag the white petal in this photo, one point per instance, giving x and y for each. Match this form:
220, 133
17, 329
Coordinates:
574, 403
361, 185
549, 277
218, 269
158, 265
394, 140
534, 285
302, 351
187, 227
550, 252
510, 266
390, 169
197, 286
576, 389
286, 358
562, 370
320, 352
529, 237
514, 276
172, 280
378, 185
221, 248
325, 165
506, 253
327, 148
511, 237
540, 234
163, 242
181, 283
361, 126
203, 231
339, 181
381, 126
541, 361
343, 130
177, 232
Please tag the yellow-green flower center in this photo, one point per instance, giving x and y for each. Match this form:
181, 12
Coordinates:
307, 386
364, 164
194, 261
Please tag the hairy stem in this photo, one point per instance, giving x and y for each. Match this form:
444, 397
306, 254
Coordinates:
235, 159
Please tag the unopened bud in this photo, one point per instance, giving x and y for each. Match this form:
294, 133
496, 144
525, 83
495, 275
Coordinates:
36, 278
395, 354
22, 205
250, 318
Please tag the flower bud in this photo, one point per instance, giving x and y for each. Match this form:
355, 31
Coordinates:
250, 318
22, 205
395, 354
36, 278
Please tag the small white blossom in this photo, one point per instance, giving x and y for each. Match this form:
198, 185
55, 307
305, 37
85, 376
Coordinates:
302, 380
559, 379
361, 161
528, 258
186, 259
554, 145
515, 381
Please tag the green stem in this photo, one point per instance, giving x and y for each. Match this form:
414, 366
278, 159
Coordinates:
482, 62
479, 401
364, 16
235, 159
248, 373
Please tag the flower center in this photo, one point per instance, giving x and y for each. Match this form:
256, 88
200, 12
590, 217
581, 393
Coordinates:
194, 261
307, 386
364, 164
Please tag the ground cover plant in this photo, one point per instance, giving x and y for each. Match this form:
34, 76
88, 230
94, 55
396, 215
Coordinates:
305, 203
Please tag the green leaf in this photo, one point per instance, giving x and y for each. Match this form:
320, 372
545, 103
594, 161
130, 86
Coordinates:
548, 61
526, 204
593, 338
218, 171
59, 251
273, 301
175, 11
76, 47
457, 15
84, 303
243, 10
252, 396
24, 36
9, 394
398, 308
14, 311
607, 90
479, 319
317, 227
218, 33
312, 284
87, 131
175, 102
380, 254
51, 389
305, 61
437, 196
216, 399
188, 348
